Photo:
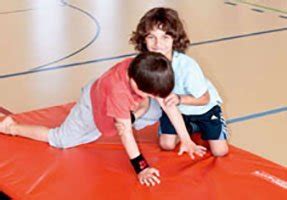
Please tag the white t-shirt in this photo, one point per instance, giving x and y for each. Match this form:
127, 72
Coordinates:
190, 80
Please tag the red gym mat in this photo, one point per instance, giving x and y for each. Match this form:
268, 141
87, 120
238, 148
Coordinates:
101, 170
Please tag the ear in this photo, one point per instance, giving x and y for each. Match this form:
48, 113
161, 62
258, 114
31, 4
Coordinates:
133, 84
134, 87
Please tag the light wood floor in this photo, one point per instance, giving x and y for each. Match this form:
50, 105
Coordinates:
240, 45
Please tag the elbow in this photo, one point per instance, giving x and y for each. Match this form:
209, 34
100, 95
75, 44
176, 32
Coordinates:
205, 99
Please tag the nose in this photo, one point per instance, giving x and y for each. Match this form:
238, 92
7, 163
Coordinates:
158, 42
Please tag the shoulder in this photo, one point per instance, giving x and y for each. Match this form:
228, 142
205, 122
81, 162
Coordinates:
183, 61
125, 62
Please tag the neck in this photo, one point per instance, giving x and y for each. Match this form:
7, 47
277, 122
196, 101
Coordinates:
170, 56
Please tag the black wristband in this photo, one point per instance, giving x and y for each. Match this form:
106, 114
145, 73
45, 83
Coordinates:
139, 163
133, 118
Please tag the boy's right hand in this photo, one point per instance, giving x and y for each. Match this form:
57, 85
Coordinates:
149, 176
191, 149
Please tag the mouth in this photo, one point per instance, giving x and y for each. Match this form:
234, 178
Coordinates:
158, 50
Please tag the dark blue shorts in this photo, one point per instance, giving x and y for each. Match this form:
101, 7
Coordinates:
211, 124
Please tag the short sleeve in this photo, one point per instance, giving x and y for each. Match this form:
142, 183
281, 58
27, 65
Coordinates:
118, 105
195, 82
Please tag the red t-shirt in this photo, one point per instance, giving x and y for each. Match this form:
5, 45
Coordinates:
112, 97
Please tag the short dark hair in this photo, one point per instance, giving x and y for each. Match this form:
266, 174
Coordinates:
165, 19
153, 74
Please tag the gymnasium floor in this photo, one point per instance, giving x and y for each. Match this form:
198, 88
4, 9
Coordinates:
49, 49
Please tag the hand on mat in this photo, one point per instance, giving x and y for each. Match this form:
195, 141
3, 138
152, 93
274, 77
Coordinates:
149, 177
191, 149
172, 99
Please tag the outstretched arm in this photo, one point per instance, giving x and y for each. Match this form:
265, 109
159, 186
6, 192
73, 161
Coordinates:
187, 145
147, 175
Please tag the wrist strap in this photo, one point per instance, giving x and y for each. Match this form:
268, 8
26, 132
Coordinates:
139, 163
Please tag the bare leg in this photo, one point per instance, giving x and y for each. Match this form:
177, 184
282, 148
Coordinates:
168, 141
10, 127
5, 125
218, 148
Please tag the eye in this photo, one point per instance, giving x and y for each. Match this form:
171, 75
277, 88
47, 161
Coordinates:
166, 37
150, 37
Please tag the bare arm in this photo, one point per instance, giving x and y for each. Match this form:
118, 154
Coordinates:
128, 139
149, 176
190, 100
175, 99
187, 145
176, 119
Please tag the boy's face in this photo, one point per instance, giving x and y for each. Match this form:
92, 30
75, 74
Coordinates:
158, 41
138, 91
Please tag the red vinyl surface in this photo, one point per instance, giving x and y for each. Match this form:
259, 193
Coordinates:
101, 170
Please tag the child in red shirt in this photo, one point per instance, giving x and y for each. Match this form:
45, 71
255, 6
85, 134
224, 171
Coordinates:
109, 100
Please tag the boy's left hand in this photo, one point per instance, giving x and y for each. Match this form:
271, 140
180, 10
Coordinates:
191, 149
172, 99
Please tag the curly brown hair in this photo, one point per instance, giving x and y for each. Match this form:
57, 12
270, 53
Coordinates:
165, 19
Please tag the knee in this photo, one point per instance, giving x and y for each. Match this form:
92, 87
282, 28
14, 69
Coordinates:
167, 144
220, 152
